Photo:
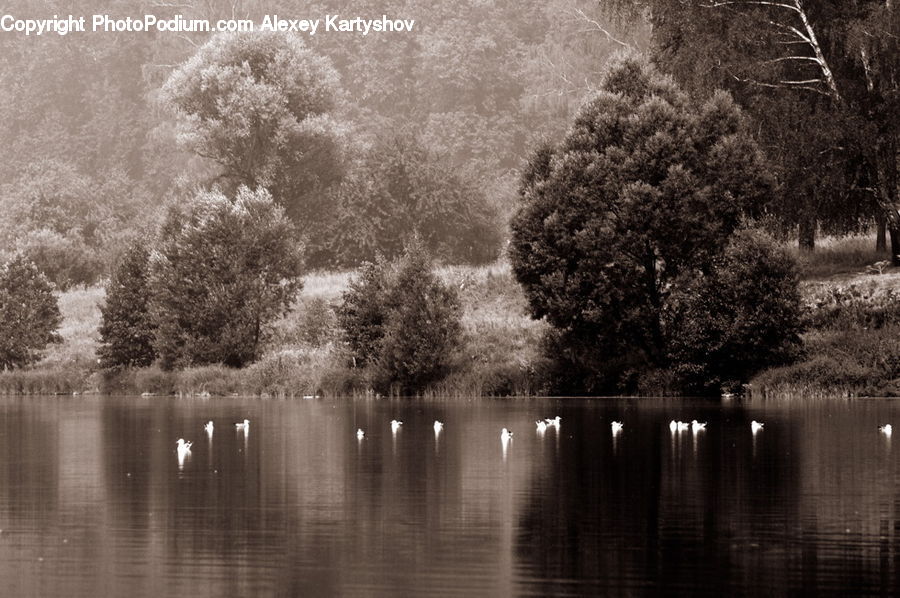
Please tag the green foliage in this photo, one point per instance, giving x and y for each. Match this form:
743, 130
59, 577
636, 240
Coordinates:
225, 269
402, 321
402, 191
258, 105
66, 261
855, 305
362, 313
126, 329
741, 317
29, 314
646, 188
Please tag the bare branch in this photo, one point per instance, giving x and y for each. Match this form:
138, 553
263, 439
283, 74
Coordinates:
597, 26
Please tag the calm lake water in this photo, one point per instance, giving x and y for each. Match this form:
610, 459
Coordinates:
94, 502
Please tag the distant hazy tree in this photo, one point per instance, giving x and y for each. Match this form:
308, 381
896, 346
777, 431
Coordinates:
402, 191
646, 188
126, 329
741, 316
259, 106
225, 269
402, 321
29, 314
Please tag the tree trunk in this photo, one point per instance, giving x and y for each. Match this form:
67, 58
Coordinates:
895, 247
807, 236
880, 233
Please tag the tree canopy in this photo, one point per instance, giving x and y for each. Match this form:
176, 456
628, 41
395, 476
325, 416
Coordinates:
644, 191
259, 106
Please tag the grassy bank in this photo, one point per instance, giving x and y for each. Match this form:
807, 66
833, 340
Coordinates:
852, 342
851, 347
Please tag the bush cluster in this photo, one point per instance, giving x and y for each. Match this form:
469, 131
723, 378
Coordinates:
222, 271
401, 323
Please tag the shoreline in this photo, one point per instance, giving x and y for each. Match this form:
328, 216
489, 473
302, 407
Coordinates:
849, 347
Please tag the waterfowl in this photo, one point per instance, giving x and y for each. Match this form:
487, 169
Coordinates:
505, 434
541, 426
553, 422
360, 433
242, 426
184, 449
885, 429
682, 426
673, 426
756, 426
697, 426
438, 426
616, 427
209, 428
395, 425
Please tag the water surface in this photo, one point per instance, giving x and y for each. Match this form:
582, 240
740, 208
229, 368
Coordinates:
94, 502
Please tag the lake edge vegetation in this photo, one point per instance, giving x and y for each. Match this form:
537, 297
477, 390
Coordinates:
501, 353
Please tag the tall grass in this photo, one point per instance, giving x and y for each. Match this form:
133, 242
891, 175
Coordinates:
837, 256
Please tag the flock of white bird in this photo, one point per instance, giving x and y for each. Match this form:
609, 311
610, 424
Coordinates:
675, 426
183, 448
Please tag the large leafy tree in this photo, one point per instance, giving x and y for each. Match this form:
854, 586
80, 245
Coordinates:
644, 191
224, 270
258, 105
29, 315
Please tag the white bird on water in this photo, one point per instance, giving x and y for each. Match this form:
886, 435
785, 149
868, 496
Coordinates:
360, 434
616, 427
756, 426
243, 426
395, 425
553, 422
505, 434
697, 426
184, 450
438, 426
886, 429
209, 428
541, 426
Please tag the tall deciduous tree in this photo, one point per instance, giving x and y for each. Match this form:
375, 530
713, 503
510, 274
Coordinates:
259, 105
820, 77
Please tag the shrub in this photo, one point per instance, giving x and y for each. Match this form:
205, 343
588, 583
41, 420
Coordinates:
421, 327
126, 329
403, 322
741, 317
29, 314
224, 271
